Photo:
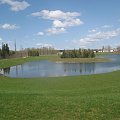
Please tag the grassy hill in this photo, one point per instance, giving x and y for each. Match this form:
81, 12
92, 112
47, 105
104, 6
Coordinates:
90, 97
87, 97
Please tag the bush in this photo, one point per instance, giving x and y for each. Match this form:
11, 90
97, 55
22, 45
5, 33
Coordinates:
81, 53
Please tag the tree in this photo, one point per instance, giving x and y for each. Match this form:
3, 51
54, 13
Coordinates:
64, 54
109, 48
0, 53
7, 49
103, 48
118, 49
92, 55
81, 53
5, 52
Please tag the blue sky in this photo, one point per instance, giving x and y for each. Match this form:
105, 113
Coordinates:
63, 24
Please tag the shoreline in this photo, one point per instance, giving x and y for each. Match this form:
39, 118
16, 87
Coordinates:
80, 60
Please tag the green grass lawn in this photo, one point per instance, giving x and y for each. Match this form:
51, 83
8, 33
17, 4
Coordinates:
87, 97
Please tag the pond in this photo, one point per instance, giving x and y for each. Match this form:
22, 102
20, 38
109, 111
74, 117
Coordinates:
51, 69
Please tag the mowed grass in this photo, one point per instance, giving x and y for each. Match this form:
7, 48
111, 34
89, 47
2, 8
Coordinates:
89, 97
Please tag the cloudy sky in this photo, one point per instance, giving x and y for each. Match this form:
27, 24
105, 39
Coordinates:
63, 24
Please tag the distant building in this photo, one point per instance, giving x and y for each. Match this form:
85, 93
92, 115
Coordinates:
60, 53
104, 50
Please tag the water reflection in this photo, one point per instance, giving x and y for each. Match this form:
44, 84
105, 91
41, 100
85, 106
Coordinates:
79, 67
5, 71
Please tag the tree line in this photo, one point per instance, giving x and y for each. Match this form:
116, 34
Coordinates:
81, 53
41, 51
4, 51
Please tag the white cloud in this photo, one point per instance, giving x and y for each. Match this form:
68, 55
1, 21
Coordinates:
16, 5
56, 15
47, 45
98, 37
52, 31
58, 23
44, 45
60, 20
40, 34
107, 26
7, 26
0, 39
93, 30
39, 44
67, 23
100, 28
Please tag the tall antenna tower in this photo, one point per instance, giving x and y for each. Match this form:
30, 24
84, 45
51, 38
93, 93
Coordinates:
15, 45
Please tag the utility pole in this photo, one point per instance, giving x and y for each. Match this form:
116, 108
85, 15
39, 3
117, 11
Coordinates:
15, 45
21, 51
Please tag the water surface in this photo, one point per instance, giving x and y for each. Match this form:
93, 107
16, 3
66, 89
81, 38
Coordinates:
51, 69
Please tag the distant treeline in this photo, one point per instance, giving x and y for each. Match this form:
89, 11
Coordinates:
41, 51
81, 53
6, 53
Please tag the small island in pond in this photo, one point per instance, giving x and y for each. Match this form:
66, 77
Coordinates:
79, 56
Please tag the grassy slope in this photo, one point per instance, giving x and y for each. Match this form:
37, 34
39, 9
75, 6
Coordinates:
90, 97
11, 62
